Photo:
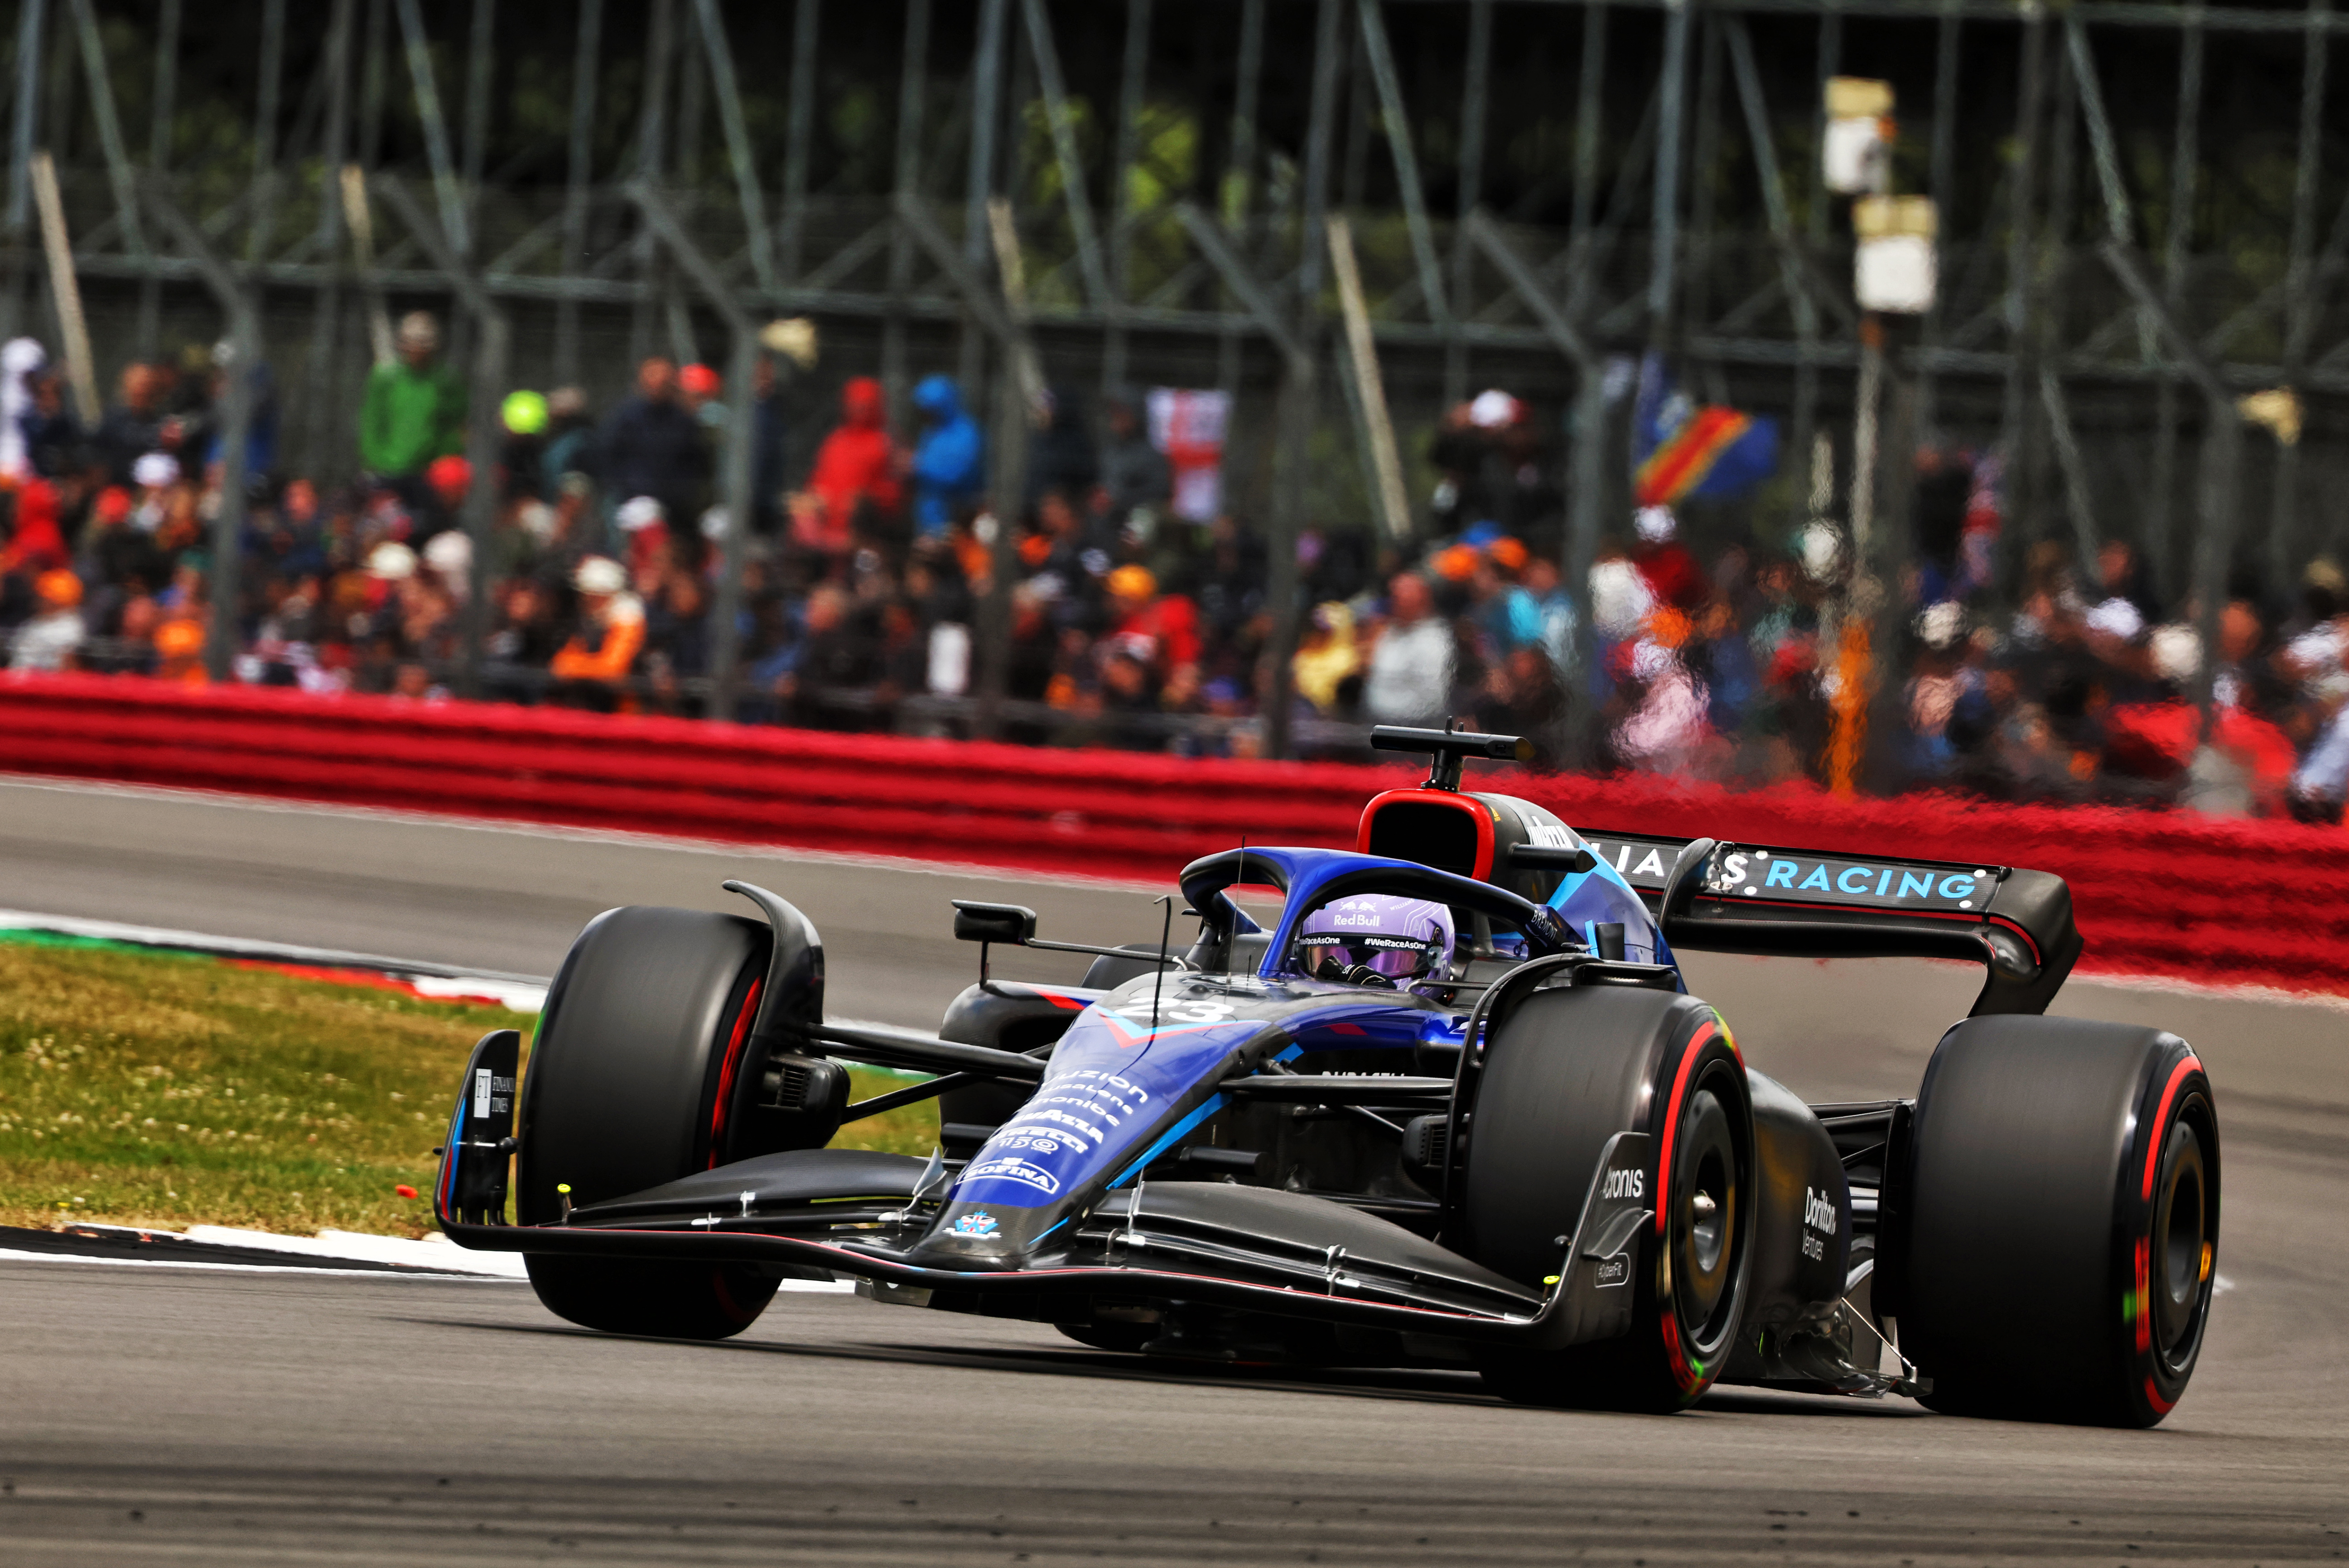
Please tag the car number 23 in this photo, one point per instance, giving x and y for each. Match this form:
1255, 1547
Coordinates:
1177, 1010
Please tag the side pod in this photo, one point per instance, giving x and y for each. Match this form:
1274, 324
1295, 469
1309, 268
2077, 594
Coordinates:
471, 1189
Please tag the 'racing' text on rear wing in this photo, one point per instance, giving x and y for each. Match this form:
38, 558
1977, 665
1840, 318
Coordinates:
1756, 899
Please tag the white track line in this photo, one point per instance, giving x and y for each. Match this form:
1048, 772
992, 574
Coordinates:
955, 868
24, 1255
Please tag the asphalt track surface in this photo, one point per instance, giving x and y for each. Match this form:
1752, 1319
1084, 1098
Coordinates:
163, 1415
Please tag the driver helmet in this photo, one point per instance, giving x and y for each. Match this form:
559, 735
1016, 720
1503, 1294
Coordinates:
1395, 939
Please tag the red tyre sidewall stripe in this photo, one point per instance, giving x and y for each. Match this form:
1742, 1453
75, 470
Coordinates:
1696, 1043
2188, 1066
726, 1068
2157, 1139
1687, 1374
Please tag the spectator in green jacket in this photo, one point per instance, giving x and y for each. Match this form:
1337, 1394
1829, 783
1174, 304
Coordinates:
415, 407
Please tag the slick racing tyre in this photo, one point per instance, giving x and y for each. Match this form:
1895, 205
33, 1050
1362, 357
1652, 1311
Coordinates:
2060, 1221
649, 1012
659, 1300
1564, 1073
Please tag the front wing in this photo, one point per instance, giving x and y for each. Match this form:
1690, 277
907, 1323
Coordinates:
1244, 1248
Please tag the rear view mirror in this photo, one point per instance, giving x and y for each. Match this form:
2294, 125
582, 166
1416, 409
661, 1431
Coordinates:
1012, 924
1543, 857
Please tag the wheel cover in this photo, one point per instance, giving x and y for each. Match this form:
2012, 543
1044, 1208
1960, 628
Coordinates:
1707, 1222
2181, 1243
1703, 1226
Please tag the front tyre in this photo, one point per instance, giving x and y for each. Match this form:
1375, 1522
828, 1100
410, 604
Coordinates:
632, 1083
2061, 1221
659, 1299
1565, 1072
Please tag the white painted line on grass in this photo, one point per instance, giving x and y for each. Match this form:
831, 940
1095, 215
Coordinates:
521, 993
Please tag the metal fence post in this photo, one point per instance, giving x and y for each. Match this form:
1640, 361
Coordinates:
726, 612
221, 635
1278, 681
29, 17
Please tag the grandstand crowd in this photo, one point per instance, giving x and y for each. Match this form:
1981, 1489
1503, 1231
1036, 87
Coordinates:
1139, 618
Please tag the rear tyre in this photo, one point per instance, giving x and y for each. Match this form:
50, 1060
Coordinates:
1566, 1071
2056, 1254
628, 1085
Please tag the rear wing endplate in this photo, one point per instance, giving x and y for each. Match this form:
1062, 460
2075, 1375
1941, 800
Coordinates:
1714, 897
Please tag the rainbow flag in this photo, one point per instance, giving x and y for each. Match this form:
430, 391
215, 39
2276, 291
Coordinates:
1690, 450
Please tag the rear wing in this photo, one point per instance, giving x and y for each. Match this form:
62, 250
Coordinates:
1753, 898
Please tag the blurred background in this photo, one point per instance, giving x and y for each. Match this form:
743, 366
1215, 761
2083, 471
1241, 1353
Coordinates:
1932, 395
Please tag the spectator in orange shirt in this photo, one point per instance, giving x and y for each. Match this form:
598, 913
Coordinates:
590, 668
180, 648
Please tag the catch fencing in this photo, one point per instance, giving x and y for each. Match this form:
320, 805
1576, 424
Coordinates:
2224, 902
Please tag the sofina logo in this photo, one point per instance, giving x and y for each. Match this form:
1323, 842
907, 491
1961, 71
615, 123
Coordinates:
1011, 1169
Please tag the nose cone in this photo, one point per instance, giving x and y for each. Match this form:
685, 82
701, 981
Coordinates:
982, 1237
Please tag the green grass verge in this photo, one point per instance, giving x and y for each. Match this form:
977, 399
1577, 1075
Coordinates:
143, 1088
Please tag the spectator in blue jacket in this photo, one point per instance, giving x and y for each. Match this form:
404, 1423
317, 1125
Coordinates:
949, 458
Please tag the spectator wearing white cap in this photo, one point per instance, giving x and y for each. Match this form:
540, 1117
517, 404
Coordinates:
391, 561
1466, 455
155, 474
449, 556
593, 667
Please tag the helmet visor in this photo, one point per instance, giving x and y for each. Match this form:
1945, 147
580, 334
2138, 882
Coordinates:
1330, 954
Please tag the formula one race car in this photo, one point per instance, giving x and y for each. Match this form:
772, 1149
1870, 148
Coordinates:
1455, 1107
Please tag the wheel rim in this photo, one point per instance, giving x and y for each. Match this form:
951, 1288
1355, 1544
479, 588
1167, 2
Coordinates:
1705, 1212
2181, 1241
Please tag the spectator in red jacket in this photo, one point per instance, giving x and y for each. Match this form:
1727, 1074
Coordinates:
1161, 629
1671, 573
35, 545
855, 467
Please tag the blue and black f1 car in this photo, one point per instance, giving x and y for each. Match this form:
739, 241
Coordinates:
1532, 1153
